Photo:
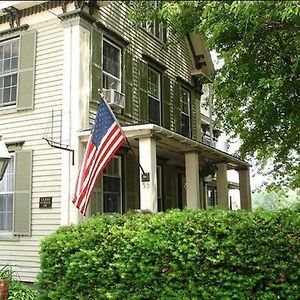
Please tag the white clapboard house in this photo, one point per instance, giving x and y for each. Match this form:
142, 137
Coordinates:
54, 56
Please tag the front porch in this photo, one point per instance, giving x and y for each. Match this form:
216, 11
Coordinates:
178, 171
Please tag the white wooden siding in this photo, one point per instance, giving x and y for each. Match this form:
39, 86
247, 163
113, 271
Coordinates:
30, 127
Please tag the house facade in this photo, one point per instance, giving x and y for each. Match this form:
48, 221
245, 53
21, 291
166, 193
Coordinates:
55, 57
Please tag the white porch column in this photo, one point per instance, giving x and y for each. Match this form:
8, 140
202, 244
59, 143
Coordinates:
148, 189
245, 189
222, 186
192, 180
75, 110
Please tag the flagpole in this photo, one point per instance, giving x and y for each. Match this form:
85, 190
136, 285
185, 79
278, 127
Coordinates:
136, 159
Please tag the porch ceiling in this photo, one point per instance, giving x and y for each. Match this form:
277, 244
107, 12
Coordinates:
171, 145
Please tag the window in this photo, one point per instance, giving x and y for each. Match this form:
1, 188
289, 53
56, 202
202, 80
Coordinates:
154, 96
107, 195
9, 54
7, 197
111, 66
155, 27
112, 189
185, 98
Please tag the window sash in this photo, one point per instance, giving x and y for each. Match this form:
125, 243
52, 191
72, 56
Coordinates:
112, 186
111, 76
7, 187
9, 64
185, 100
154, 96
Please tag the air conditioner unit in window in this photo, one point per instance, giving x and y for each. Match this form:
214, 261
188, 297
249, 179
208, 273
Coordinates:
115, 99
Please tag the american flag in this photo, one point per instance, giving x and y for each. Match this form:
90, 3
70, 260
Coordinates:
105, 140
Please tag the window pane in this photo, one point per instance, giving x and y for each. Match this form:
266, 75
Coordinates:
13, 94
111, 83
14, 79
1, 52
154, 111
14, 63
15, 49
6, 65
185, 125
111, 203
111, 59
7, 81
7, 50
6, 95
153, 83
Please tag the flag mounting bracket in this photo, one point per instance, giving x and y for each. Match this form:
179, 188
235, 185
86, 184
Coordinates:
60, 146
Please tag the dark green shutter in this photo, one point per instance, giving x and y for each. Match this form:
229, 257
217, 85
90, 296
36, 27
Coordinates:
128, 59
166, 101
26, 70
195, 116
143, 93
22, 201
96, 64
131, 183
177, 108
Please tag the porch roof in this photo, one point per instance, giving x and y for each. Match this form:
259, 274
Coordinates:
171, 143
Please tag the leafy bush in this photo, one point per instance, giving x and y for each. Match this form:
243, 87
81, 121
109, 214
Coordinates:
17, 289
209, 254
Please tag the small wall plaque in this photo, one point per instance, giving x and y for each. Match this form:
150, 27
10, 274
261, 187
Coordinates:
145, 177
45, 202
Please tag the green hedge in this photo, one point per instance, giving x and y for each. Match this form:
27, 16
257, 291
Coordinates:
209, 254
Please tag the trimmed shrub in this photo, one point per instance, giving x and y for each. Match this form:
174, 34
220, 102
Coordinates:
209, 254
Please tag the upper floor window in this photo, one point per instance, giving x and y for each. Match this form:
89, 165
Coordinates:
155, 27
154, 95
111, 66
7, 187
9, 55
185, 100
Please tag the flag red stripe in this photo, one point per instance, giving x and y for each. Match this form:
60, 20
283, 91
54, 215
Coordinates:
100, 148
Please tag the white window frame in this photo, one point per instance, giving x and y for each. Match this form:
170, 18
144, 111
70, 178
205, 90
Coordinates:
15, 72
10, 232
159, 92
105, 73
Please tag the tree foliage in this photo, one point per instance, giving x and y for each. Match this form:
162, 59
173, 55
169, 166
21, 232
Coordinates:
257, 91
274, 200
